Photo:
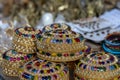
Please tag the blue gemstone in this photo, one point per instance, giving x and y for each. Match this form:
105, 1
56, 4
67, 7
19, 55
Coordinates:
92, 55
68, 40
34, 70
57, 40
26, 76
48, 54
47, 65
80, 52
92, 68
88, 50
84, 67
43, 78
103, 63
53, 41
51, 70
112, 67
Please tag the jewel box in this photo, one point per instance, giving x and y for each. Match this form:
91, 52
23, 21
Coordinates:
98, 66
43, 70
24, 39
60, 45
12, 60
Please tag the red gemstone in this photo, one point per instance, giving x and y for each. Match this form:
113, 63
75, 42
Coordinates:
100, 62
99, 57
37, 64
77, 39
48, 71
20, 34
14, 59
60, 32
55, 76
60, 36
33, 36
83, 50
66, 55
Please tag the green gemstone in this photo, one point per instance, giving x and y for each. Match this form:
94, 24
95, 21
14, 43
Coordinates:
43, 52
22, 58
72, 54
59, 55
49, 77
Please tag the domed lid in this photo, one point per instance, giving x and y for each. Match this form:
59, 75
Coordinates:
44, 70
61, 36
27, 32
13, 56
98, 63
56, 26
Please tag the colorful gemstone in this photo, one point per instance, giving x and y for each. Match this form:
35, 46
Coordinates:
80, 52
54, 54
59, 55
43, 53
51, 70
41, 71
37, 64
48, 71
55, 76
26, 76
68, 40
72, 54
66, 55
77, 39
49, 77
48, 54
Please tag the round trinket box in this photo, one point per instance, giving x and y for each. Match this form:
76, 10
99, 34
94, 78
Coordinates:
112, 43
60, 45
56, 26
43, 70
98, 66
12, 60
24, 39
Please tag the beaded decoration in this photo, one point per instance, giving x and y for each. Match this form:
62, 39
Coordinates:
60, 41
24, 39
27, 32
63, 57
12, 60
98, 63
44, 70
56, 26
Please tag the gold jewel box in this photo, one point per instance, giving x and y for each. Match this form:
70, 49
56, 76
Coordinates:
60, 45
12, 60
98, 66
24, 39
44, 70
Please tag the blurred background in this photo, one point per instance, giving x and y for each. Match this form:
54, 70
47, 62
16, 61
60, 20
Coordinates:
71, 9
